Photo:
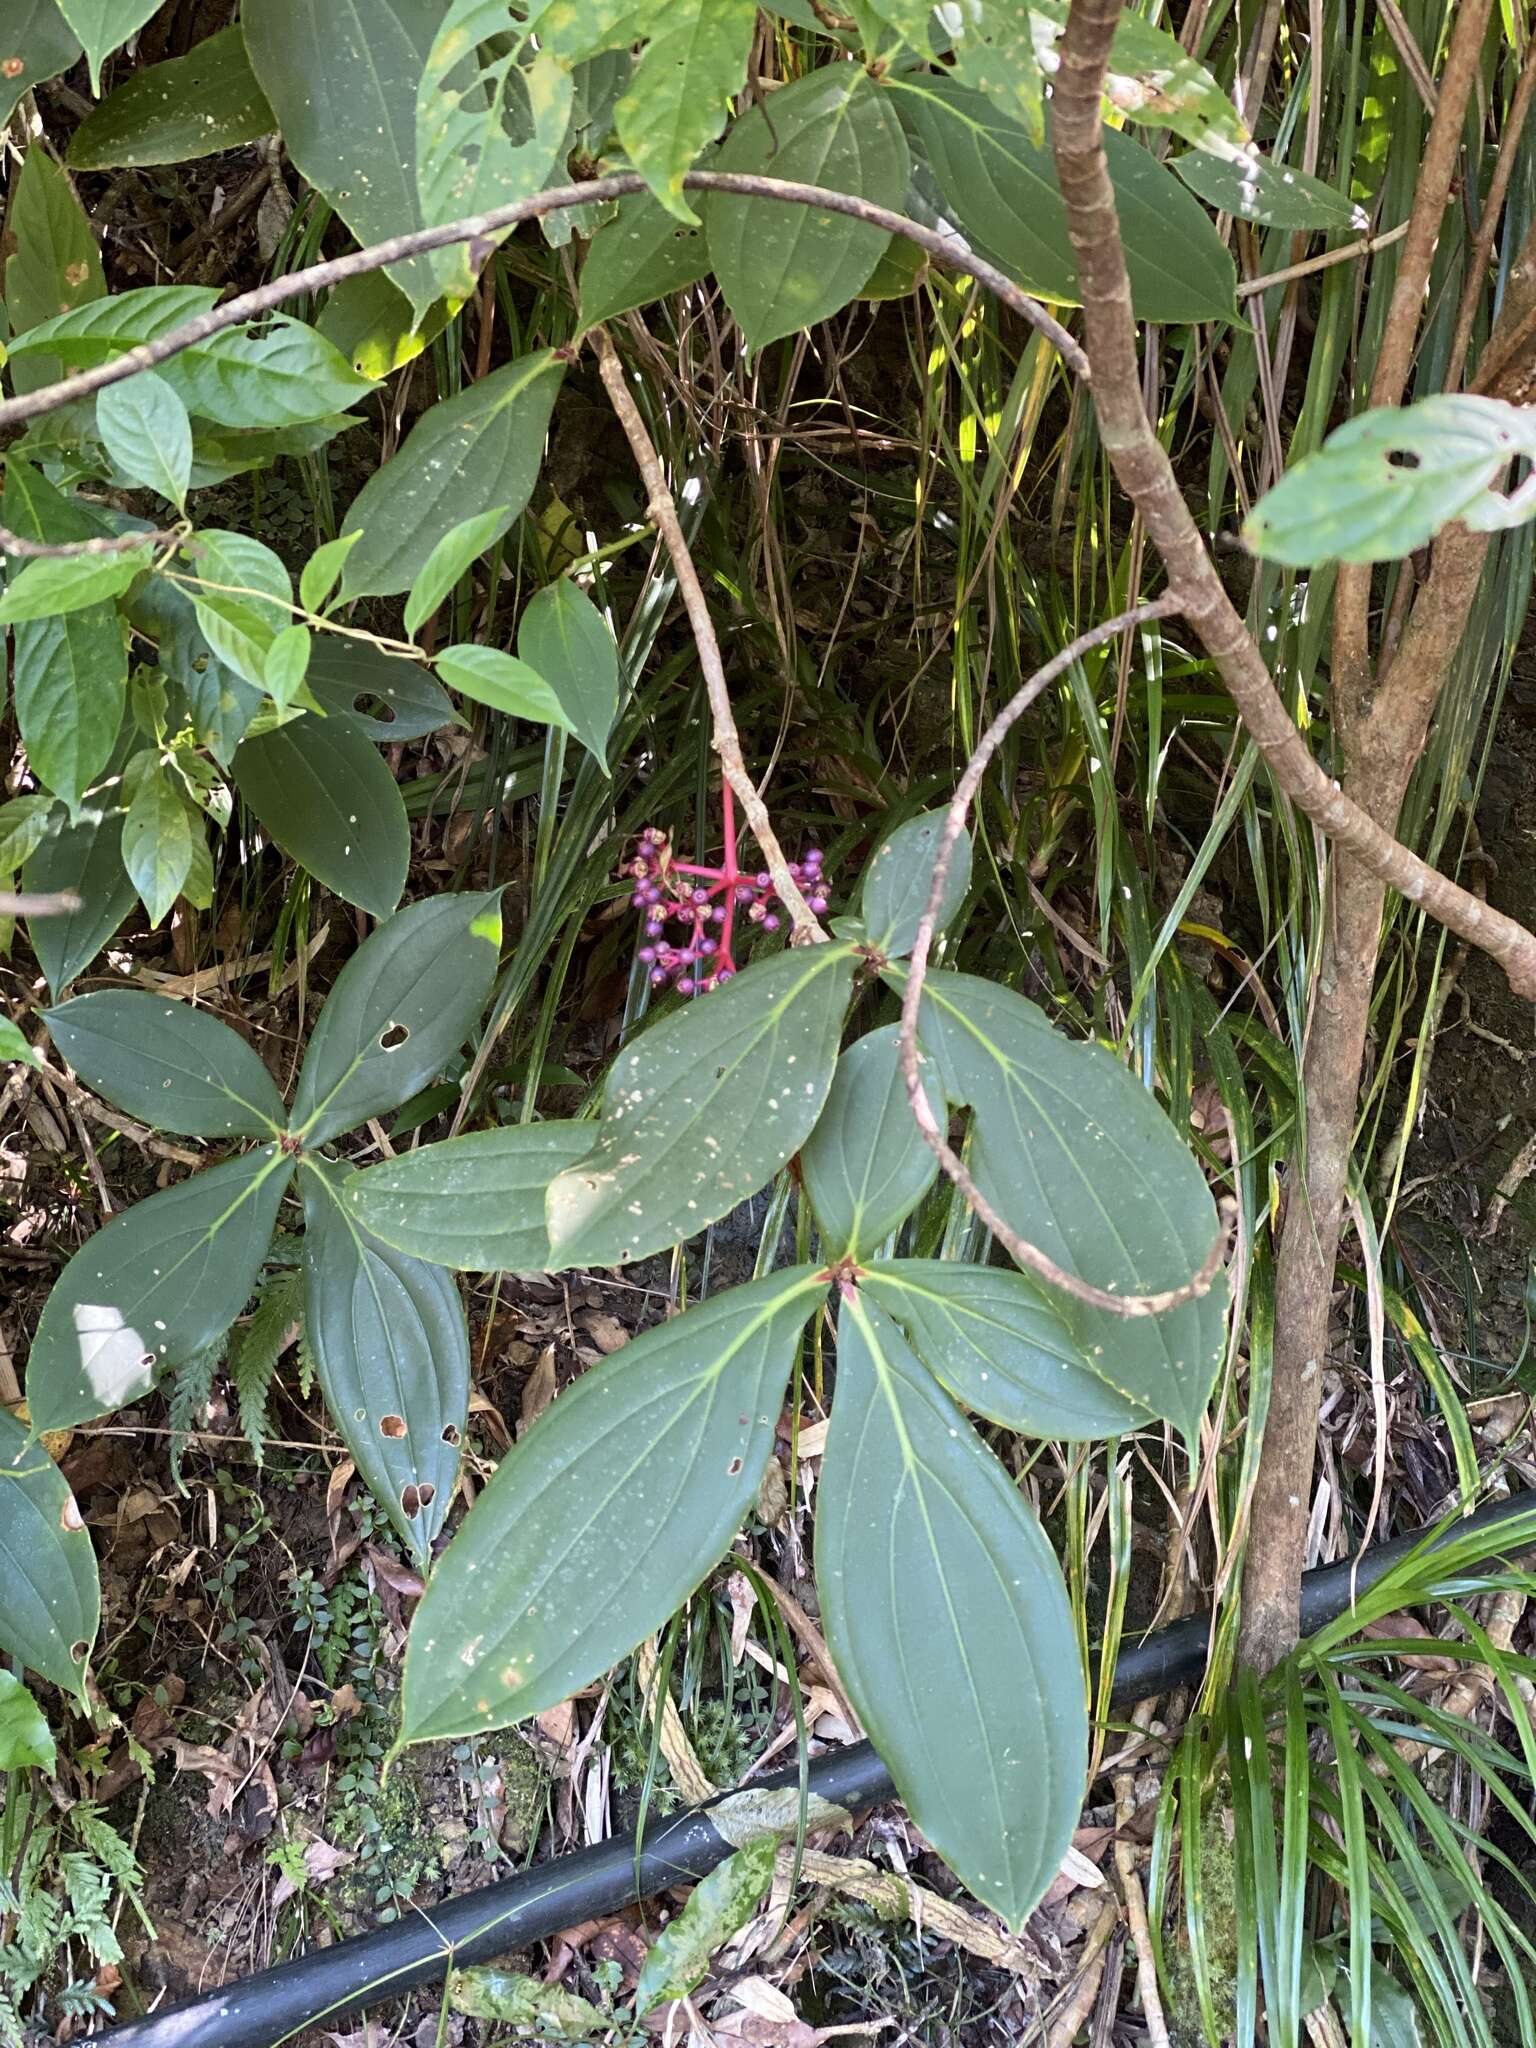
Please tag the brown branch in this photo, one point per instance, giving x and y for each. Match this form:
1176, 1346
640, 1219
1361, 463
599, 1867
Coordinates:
59, 903
100, 544
479, 227
1023, 1253
1493, 207
662, 512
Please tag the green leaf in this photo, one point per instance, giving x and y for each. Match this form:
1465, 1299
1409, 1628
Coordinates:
993, 45
341, 77
487, 676
379, 695
898, 273
1152, 79
489, 124
783, 268
144, 428
87, 858
675, 102
243, 596
101, 331
52, 1604
172, 1065
69, 583
1253, 187
609, 1513
489, 1992
14, 1046
459, 547
36, 44
1386, 482
480, 449
391, 1353
1003, 1346
1003, 189
322, 792
644, 253
219, 703
375, 326
25, 822
475, 1203
948, 1621
161, 1282
104, 25
287, 664
25, 1742
719, 1906
565, 638
1076, 1155
319, 575
1395, 2019
398, 1012
865, 1165
56, 265
158, 830
219, 453
898, 880
703, 1109
172, 113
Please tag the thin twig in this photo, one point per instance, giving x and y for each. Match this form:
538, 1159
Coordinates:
100, 544
57, 903
662, 512
1025, 1254
81, 1098
1252, 286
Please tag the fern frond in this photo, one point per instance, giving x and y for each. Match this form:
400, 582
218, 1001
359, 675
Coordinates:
253, 1362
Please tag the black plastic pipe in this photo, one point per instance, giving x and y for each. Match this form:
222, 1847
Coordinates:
326, 1983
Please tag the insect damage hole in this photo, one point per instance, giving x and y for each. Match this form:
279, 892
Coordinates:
734, 1466
79, 1651
1404, 458
414, 1498
392, 1425
450, 1436
394, 1035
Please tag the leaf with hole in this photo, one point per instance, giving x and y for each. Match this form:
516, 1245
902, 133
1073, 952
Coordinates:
612, 1509
1386, 482
865, 1165
159, 1283
644, 253
1078, 1158
503, 682
381, 696
783, 268
172, 113
36, 43
86, 859
1254, 187
1004, 1346
169, 1064
718, 1907
1003, 189
898, 881
676, 100
25, 1743
475, 1203
54, 266
70, 583
327, 799
948, 1621
468, 453
703, 1109
144, 428
391, 1353
398, 1012
103, 26
459, 547
158, 834
565, 639
52, 1604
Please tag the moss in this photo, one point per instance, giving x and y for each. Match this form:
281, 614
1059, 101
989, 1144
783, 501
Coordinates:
1216, 1910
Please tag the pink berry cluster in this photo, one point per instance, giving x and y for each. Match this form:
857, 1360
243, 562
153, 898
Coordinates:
691, 912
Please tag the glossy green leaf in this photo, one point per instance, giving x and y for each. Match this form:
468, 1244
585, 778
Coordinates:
703, 1108
475, 1203
100, 331
608, 1514
459, 547
490, 119
1387, 481
15, 1049
948, 1621
341, 77
398, 1012
375, 326
1077, 1156
159, 1283
320, 573
321, 790
69, 583
642, 254
898, 880
25, 822
785, 267
287, 664
243, 596
103, 26
898, 273
380, 695
52, 1604
992, 46
144, 428
719, 1906
172, 113
25, 1743
391, 1353
1003, 1346
490, 1992
55, 265
675, 102
85, 858
865, 1165
158, 830
1253, 187
36, 43
487, 676
1003, 189
565, 638
479, 449
168, 1063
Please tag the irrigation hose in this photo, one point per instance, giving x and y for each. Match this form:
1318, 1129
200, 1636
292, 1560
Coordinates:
326, 1983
